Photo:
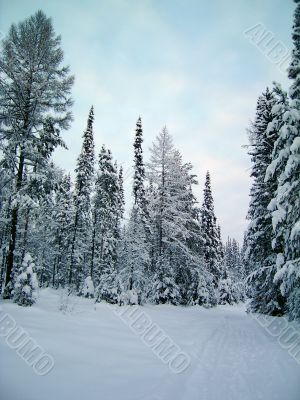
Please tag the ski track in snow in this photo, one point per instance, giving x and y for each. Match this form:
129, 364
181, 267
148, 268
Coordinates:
96, 354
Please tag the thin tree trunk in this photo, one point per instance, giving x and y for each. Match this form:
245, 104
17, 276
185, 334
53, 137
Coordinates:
131, 278
13, 230
53, 274
93, 248
57, 259
25, 234
4, 249
73, 249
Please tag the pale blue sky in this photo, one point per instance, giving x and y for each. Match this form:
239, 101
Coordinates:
183, 63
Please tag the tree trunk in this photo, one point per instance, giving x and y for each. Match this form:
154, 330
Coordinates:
25, 234
131, 278
4, 250
57, 260
73, 248
13, 229
93, 248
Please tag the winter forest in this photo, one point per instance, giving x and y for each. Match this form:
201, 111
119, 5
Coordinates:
70, 234
59, 233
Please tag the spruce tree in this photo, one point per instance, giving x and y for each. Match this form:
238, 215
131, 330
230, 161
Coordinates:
135, 269
26, 284
63, 215
259, 234
291, 281
211, 235
135, 259
261, 256
277, 165
139, 171
80, 246
106, 217
286, 204
226, 290
121, 195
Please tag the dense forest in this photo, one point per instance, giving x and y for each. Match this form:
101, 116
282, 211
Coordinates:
166, 247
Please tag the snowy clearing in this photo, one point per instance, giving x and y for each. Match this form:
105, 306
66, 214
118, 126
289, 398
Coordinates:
98, 357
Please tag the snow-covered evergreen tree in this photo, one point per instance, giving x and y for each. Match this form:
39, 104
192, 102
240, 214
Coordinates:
226, 291
175, 226
164, 289
106, 218
167, 225
121, 197
202, 290
26, 284
233, 269
212, 246
34, 108
43, 225
88, 287
63, 216
286, 204
259, 235
139, 172
80, 243
159, 171
261, 257
135, 268
135, 260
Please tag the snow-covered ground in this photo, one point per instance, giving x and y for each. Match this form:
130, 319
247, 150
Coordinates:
98, 357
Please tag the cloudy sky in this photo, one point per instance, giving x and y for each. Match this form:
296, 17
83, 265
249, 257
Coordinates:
183, 63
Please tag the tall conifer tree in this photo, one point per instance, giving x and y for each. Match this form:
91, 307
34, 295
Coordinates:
211, 236
34, 107
80, 250
286, 204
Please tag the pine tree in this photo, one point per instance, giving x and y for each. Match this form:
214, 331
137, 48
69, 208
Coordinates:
234, 270
231, 287
259, 234
211, 235
201, 290
165, 290
261, 256
226, 290
135, 269
38, 222
34, 104
121, 196
63, 215
120, 218
286, 204
26, 285
42, 224
135, 259
80, 250
106, 217
276, 167
139, 172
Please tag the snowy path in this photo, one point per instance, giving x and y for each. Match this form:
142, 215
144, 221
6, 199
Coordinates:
98, 357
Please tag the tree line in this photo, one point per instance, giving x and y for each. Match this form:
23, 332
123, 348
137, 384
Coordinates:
272, 240
54, 232
59, 233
